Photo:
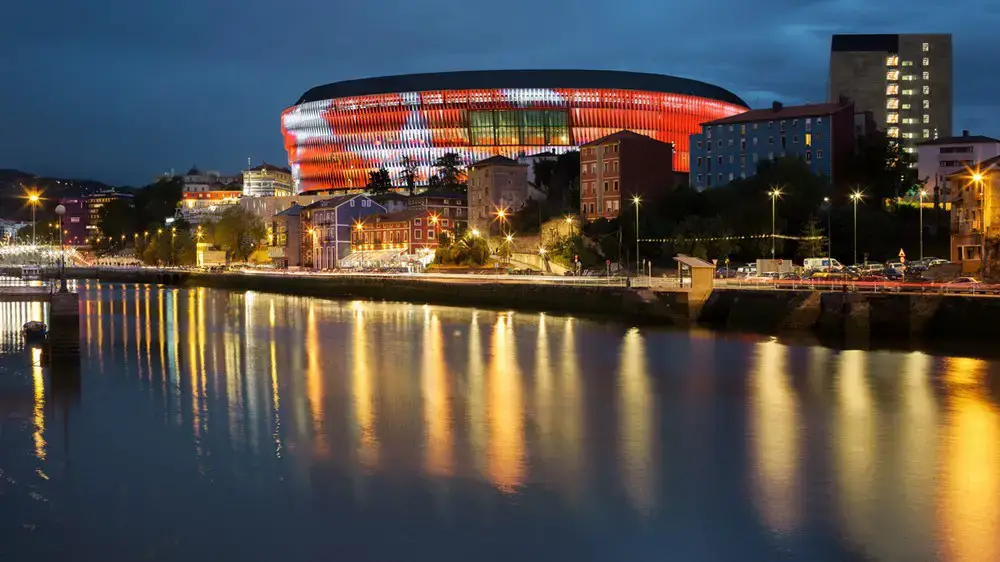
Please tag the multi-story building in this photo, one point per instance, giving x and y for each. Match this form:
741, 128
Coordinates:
75, 219
330, 222
288, 242
732, 148
199, 207
620, 166
495, 184
446, 204
939, 158
267, 207
197, 181
399, 236
267, 181
904, 80
975, 211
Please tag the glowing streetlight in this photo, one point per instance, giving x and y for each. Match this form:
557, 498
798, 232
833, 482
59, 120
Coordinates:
475, 233
856, 196
33, 200
923, 193
774, 194
635, 201
829, 228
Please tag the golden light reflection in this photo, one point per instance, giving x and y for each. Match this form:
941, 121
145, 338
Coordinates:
856, 450
506, 410
275, 395
363, 393
192, 357
439, 448
478, 437
776, 440
636, 419
38, 411
544, 406
970, 473
314, 382
573, 472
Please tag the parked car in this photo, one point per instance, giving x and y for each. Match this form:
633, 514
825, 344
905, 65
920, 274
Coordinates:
964, 285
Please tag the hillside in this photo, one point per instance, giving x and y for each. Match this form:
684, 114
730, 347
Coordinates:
14, 182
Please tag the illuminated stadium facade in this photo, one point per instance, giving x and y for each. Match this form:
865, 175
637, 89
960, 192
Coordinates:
336, 134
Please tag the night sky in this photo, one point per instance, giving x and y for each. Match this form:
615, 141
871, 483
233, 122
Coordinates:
121, 90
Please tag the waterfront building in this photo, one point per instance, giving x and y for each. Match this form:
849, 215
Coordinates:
392, 201
940, 158
197, 181
904, 80
267, 207
289, 243
823, 135
447, 204
199, 207
398, 238
330, 222
974, 193
267, 181
82, 220
496, 183
338, 133
620, 166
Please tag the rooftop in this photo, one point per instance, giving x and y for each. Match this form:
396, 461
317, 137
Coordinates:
965, 138
984, 166
496, 161
439, 194
620, 135
779, 111
401, 216
265, 167
516, 79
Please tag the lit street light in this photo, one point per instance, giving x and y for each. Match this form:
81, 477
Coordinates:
923, 193
33, 200
979, 180
773, 194
635, 201
856, 196
61, 210
829, 229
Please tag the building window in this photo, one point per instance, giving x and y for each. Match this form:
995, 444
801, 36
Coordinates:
720, 160
927, 90
720, 143
743, 159
926, 75
795, 139
809, 124
907, 92
819, 120
743, 175
809, 139
615, 166
770, 156
795, 123
892, 75
809, 156
754, 157
770, 140
819, 154
892, 90
720, 178
730, 142
925, 62
755, 141
743, 129
927, 133
615, 186
926, 47
416, 222
417, 234
892, 117
743, 144
892, 132
782, 126
770, 124
730, 128
730, 176
755, 126
699, 161
731, 160
699, 178
892, 103
927, 104
892, 60
699, 144
605, 186
926, 118
709, 178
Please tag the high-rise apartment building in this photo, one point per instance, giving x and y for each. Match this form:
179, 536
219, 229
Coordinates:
905, 81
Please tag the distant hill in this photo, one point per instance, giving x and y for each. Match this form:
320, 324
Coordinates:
14, 182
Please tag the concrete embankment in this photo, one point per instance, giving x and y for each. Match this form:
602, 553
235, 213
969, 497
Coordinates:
831, 316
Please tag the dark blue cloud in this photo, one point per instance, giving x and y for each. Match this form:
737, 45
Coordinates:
120, 91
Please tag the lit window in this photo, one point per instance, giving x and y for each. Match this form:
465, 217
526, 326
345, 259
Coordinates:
819, 119
927, 118
891, 60
892, 90
926, 62
893, 132
926, 75
907, 63
892, 75
905, 106
809, 139
891, 103
926, 47
909, 78
892, 118
927, 133
907, 92
909, 135
927, 90
927, 104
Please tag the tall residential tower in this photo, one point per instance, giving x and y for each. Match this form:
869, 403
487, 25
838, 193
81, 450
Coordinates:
904, 80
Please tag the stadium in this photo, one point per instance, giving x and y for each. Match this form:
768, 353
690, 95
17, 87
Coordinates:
337, 133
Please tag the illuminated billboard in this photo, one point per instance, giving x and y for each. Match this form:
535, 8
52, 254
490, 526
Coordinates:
336, 134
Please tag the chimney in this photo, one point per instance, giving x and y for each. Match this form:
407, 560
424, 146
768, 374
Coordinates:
965, 132
777, 106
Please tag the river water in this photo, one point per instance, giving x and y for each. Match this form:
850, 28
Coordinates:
213, 425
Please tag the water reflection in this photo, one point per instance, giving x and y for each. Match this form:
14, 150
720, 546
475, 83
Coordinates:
525, 421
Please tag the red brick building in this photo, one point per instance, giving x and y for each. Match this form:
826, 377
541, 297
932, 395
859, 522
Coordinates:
413, 231
619, 166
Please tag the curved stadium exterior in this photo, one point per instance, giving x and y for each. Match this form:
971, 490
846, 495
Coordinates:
336, 134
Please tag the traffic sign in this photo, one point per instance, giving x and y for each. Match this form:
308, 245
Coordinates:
715, 262
902, 256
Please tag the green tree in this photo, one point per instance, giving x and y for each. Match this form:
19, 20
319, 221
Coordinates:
409, 175
813, 242
157, 201
379, 181
117, 218
450, 172
238, 232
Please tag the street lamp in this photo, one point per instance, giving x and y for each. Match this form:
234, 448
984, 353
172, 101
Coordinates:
501, 216
979, 180
475, 233
635, 201
569, 222
773, 194
34, 200
829, 229
61, 210
923, 193
856, 196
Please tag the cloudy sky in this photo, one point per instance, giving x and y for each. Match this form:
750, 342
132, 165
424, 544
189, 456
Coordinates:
120, 90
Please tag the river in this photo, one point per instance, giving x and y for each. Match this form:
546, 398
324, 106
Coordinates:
213, 425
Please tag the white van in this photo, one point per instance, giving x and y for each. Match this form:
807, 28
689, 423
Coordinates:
821, 264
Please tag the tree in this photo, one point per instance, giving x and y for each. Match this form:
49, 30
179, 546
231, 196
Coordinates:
238, 232
117, 218
881, 168
379, 181
450, 171
813, 242
543, 171
171, 246
156, 202
409, 175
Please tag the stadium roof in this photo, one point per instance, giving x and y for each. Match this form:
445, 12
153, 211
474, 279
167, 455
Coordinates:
542, 79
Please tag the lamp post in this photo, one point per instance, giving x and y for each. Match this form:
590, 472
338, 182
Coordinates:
569, 222
61, 210
923, 193
979, 180
33, 200
829, 229
502, 216
636, 200
856, 196
773, 194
